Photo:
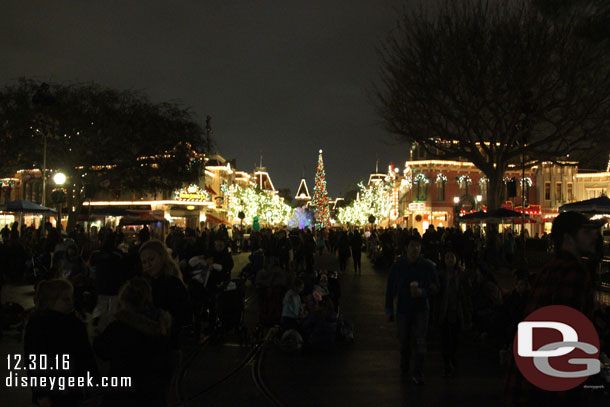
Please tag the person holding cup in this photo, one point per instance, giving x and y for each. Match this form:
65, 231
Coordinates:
411, 281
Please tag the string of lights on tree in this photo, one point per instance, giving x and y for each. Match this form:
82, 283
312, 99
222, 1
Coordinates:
269, 209
319, 201
373, 200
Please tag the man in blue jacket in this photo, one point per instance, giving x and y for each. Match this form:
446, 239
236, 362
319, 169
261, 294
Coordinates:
412, 280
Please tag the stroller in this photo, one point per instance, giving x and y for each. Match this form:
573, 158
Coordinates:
230, 310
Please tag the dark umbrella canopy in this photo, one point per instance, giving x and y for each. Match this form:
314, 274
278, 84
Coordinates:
503, 213
24, 206
480, 215
599, 205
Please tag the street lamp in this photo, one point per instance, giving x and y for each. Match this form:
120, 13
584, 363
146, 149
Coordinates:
59, 178
456, 200
58, 194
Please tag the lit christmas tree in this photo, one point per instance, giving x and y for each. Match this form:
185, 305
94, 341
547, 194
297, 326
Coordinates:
319, 201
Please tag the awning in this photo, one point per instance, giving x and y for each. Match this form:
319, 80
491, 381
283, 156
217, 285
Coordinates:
143, 218
599, 205
214, 219
107, 211
24, 206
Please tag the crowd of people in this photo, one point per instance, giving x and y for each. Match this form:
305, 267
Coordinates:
443, 283
100, 297
142, 298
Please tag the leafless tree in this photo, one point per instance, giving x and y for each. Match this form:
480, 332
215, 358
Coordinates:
475, 79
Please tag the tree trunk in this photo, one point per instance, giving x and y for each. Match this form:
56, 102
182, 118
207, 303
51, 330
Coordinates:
495, 189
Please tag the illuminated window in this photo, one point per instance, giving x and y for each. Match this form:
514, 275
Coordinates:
547, 191
570, 192
440, 191
558, 195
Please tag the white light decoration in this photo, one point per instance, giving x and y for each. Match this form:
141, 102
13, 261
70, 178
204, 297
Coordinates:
421, 177
527, 180
440, 177
270, 209
464, 178
376, 200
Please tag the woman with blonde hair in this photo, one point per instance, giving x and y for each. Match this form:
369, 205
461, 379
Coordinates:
168, 290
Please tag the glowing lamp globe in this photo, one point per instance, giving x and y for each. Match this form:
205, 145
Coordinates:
59, 178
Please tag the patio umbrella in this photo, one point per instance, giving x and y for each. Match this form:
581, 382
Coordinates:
503, 213
599, 205
24, 206
480, 215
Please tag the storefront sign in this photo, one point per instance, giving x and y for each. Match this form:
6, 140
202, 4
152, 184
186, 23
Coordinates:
192, 193
417, 206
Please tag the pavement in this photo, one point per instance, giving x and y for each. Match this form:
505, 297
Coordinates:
366, 373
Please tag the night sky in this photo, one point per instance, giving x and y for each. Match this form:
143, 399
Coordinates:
285, 78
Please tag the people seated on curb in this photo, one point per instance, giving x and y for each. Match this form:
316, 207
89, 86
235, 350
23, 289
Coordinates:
292, 310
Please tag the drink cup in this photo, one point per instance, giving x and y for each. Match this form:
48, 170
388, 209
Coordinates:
414, 287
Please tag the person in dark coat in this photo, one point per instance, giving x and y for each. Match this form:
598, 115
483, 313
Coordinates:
53, 329
222, 257
411, 282
168, 290
137, 344
107, 268
343, 246
356, 246
564, 280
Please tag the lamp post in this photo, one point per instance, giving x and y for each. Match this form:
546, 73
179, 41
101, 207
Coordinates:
58, 194
456, 202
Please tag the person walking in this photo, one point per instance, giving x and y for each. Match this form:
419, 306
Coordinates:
412, 280
356, 246
343, 247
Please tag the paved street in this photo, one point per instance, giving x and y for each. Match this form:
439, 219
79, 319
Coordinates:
362, 374
367, 372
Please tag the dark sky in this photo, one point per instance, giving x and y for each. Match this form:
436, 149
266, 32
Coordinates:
284, 77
